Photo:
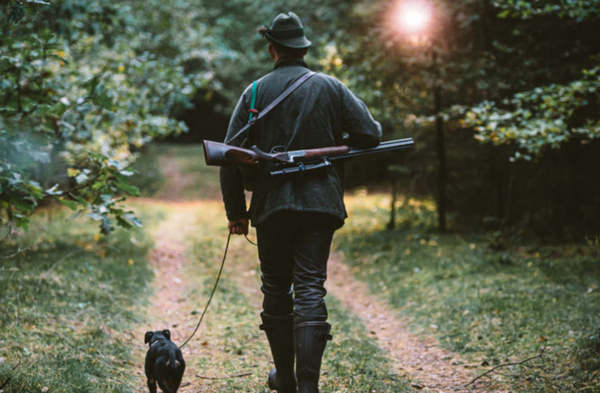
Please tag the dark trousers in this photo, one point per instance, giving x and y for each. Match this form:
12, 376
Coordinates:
293, 248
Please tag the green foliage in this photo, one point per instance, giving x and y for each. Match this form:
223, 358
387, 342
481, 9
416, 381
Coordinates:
544, 116
104, 78
513, 69
108, 77
83, 85
575, 9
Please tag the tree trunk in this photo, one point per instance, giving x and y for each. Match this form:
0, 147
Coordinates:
441, 153
392, 223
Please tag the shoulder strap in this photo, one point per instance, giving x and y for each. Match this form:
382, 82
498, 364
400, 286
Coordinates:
272, 105
253, 100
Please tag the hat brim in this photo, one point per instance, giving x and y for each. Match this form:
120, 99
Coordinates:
294, 43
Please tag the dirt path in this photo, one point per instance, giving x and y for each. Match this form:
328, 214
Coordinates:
419, 359
176, 180
168, 308
428, 367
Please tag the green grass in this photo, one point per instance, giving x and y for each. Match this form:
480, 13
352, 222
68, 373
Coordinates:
66, 301
354, 362
491, 306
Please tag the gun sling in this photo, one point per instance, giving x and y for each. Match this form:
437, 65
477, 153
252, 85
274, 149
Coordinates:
272, 105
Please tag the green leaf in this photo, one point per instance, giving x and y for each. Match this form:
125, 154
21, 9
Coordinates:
128, 188
98, 185
126, 172
106, 225
133, 219
73, 205
54, 190
81, 178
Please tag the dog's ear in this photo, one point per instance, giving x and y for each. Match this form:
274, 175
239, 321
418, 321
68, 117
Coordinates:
148, 337
167, 333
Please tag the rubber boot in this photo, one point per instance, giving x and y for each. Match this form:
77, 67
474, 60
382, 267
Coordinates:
279, 331
310, 341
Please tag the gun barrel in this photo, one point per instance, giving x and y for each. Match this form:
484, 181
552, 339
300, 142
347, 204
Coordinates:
387, 146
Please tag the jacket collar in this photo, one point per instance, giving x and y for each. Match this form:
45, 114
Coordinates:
286, 61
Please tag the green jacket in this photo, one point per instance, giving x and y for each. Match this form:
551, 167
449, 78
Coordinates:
317, 114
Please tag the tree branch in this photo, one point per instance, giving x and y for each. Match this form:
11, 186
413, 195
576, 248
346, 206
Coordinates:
491, 370
19, 251
10, 376
227, 377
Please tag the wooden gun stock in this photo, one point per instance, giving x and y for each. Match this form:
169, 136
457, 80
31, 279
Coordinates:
219, 154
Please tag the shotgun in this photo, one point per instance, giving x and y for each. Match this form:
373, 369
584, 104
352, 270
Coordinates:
294, 161
216, 153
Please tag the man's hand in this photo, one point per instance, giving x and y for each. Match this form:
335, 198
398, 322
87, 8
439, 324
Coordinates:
239, 227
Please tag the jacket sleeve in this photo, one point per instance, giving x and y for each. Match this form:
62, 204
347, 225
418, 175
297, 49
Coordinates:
363, 130
232, 186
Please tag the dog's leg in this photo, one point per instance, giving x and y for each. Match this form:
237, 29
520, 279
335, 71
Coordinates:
152, 385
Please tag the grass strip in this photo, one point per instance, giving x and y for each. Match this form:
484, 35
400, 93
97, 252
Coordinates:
65, 304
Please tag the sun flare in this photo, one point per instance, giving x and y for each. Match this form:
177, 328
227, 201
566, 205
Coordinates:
412, 17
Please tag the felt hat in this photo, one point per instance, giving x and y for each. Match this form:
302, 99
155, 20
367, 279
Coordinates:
286, 30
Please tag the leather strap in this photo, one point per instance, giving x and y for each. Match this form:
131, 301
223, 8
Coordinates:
273, 104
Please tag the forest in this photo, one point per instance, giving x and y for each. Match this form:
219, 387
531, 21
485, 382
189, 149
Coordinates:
483, 241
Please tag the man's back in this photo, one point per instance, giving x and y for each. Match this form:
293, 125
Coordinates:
317, 114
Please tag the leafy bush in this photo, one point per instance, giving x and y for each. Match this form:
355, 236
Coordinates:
81, 86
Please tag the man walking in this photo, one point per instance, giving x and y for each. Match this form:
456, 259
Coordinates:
295, 216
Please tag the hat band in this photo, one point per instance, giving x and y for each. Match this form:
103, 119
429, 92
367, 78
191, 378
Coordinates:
282, 34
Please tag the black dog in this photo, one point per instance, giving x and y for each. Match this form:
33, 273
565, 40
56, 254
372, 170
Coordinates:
164, 362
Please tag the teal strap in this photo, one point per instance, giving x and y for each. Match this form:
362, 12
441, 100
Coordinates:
253, 99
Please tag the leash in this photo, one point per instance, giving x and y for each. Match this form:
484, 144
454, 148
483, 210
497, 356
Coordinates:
214, 289
250, 241
212, 293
